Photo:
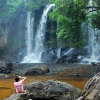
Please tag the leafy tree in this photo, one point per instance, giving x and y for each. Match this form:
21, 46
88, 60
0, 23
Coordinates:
36, 4
94, 13
69, 15
10, 8
96, 20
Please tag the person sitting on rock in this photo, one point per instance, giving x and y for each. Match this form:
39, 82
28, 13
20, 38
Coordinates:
19, 80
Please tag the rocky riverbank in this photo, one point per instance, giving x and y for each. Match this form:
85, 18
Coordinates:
53, 89
56, 90
66, 69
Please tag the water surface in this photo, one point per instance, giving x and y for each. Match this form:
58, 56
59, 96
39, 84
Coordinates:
7, 88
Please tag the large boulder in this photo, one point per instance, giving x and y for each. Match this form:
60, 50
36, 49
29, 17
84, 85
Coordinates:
38, 70
48, 90
91, 90
19, 96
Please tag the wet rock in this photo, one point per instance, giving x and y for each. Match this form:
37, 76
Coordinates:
91, 90
71, 55
75, 75
93, 63
38, 70
48, 90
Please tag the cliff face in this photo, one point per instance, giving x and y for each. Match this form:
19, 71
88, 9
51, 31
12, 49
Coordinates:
4, 36
13, 33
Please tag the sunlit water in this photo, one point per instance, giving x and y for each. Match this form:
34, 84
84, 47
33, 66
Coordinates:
7, 87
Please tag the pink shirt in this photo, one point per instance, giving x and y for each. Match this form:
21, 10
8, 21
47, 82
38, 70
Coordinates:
19, 86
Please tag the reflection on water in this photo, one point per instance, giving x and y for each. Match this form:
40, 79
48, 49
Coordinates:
7, 87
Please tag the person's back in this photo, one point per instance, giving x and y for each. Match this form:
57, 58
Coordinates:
19, 84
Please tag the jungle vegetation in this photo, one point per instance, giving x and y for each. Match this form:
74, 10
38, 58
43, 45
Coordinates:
69, 15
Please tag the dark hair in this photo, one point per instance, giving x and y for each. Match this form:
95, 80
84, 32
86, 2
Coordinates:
17, 78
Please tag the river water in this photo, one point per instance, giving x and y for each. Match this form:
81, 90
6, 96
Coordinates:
7, 88
61, 72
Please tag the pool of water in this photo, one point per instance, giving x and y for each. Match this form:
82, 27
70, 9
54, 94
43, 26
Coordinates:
7, 88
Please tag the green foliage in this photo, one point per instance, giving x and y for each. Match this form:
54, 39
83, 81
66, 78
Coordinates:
93, 13
69, 14
36, 4
96, 20
10, 8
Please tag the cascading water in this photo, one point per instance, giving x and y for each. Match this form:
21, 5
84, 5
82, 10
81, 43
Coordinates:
34, 55
58, 52
94, 37
29, 37
69, 52
40, 35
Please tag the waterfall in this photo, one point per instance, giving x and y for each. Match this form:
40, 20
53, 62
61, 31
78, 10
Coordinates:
34, 53
29, 37
94, 37
94, 47
40, 34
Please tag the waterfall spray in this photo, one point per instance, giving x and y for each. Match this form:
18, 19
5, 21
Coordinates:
29, 37
34, 55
